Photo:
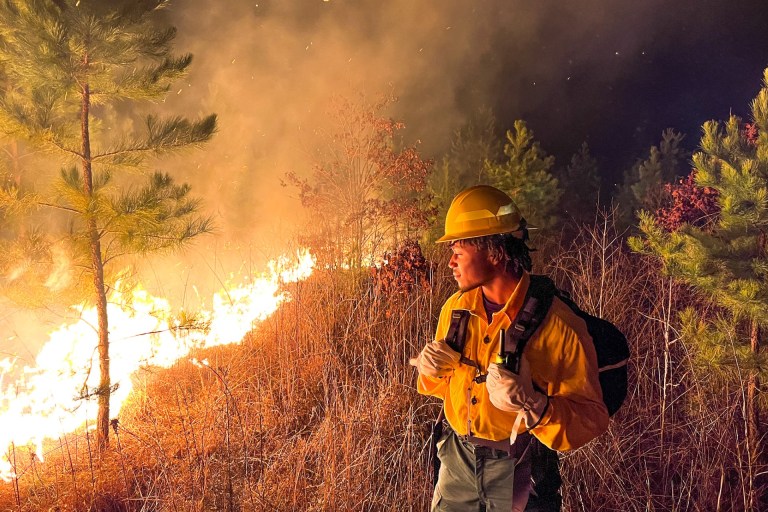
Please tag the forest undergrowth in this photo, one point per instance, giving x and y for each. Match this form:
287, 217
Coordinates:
317, 410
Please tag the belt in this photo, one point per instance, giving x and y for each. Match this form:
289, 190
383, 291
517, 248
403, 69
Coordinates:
486, 445
484, 452
489, 448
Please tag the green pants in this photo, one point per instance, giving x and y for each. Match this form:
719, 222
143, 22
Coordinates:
474, 478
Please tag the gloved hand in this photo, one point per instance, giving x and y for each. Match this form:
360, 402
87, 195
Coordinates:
437, 360
515, 393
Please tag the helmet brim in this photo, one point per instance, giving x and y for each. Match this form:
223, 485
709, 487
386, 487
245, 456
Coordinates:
450, 237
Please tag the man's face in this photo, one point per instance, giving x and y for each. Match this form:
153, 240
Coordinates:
471, 266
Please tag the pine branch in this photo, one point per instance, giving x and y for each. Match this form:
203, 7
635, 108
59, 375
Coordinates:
167, 135
60, 207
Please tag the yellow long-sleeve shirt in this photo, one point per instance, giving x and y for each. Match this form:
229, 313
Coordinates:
563, 364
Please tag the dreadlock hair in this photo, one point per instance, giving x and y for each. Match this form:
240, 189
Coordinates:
506, 248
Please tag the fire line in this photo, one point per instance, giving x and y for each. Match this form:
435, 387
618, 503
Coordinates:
52, 397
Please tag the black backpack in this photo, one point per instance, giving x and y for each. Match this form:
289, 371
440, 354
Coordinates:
610, 343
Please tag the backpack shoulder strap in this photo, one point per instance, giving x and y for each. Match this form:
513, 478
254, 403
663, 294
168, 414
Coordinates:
536, 304
457, 331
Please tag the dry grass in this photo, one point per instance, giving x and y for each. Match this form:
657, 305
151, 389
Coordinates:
316, 410
678, 443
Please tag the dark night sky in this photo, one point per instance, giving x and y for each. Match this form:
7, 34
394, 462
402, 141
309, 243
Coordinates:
693, 62
615, 74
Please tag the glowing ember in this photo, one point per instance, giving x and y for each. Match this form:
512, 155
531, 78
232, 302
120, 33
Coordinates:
52, 398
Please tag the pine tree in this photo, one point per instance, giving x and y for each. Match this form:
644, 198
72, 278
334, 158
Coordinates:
643, 184
727, 259
582, 183
67, 63
526, 176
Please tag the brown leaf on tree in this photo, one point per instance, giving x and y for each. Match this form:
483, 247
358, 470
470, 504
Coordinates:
401, 272
688, 203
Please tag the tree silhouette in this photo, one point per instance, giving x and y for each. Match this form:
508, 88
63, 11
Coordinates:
526, 176
580, 182
643, 187
464, 163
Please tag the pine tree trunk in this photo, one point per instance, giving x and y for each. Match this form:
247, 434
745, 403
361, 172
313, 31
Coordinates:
760, 487
13, 151
15, 167
97, 267
754, 434
753, 384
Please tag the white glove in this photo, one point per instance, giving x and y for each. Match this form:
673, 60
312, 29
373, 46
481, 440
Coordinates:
437, 360
515, 393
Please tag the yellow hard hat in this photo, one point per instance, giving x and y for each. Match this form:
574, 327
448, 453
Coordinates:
479, 211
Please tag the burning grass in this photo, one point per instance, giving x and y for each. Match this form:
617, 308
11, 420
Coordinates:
316, 410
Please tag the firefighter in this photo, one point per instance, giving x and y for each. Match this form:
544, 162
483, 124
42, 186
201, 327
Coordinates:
500, 426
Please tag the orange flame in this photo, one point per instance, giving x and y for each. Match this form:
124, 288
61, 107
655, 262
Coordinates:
51, 397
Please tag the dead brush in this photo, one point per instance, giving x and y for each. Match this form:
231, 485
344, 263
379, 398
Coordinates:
317, 409
676, 444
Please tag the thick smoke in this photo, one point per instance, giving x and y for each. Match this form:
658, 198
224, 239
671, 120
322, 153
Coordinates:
576, 71
271, 70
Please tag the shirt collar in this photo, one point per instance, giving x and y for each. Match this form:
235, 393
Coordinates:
473, 299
